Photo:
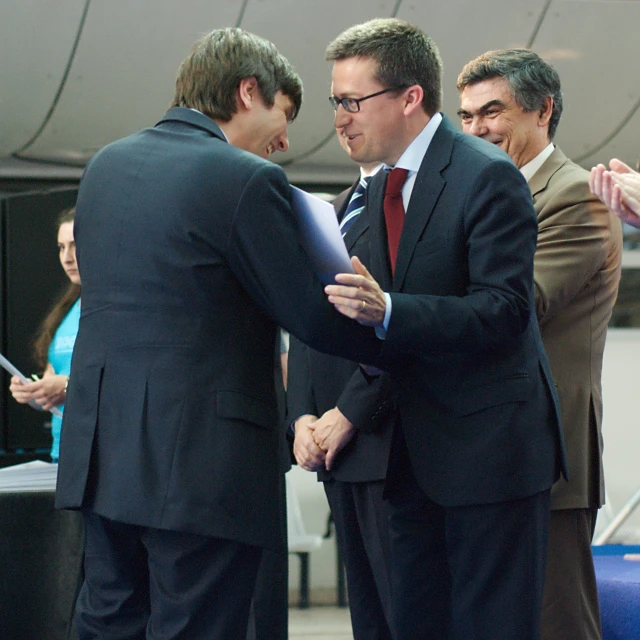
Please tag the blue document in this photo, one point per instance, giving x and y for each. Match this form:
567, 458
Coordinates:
320, 235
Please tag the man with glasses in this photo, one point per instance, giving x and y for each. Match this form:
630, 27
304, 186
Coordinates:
477, 444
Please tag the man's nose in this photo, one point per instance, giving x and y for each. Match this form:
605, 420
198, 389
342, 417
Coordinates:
477, 127
282, 143
341, 117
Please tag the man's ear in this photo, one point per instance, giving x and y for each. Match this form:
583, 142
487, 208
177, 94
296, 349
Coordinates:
544, 115
246, 92
413, 99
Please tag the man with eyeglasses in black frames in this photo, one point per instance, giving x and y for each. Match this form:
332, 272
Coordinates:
477, 444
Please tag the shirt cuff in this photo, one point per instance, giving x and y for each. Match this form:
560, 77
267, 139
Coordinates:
381, 332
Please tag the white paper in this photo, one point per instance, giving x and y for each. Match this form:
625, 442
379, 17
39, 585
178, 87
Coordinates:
30, 476
14, 371
320, 235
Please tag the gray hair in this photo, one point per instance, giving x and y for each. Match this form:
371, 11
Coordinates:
404, 54
530, 78
209, 76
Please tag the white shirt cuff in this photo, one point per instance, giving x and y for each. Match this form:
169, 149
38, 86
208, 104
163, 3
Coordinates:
381, 332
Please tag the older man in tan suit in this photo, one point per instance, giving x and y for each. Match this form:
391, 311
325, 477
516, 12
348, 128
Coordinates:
513, 99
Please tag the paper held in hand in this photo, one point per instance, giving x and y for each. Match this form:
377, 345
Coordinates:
14, 371
320, 235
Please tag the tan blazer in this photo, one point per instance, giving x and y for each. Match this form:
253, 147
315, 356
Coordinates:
576, 272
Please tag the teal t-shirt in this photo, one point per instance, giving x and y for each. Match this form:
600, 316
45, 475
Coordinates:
59, 355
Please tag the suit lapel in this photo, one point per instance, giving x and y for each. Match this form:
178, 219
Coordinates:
360, 224
357, 228
341, 201
541, 177
379, 268
428, 185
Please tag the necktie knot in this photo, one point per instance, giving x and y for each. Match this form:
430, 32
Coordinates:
395, 181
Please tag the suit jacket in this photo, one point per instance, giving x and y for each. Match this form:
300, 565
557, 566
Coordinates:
188, 251
576, 272
478, 408
319, 382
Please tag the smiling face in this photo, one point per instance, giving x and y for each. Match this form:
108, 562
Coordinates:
379, 131
269, 126
256, 127
489, 110
67, 252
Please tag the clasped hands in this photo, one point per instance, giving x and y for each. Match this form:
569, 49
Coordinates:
318, 441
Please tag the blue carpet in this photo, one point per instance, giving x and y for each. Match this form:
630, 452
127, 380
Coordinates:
618, 591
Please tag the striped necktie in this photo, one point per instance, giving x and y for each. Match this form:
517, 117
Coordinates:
355, 206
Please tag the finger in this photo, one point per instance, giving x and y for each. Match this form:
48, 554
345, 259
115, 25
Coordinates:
615, 200
606, 189
595, 181
619, 167
347, 296
350, 281
360, 268
347, 307
328, 463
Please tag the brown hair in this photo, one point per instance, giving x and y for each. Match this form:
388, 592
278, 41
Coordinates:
209, 76
59, 310
405, 56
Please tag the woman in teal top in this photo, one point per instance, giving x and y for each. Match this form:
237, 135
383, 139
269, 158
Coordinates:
54, 343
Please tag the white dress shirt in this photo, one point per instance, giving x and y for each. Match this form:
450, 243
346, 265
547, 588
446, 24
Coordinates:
411, 160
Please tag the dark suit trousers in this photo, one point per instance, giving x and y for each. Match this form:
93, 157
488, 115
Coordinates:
145, 583
269, 619
361, 518
570, 607
465, 573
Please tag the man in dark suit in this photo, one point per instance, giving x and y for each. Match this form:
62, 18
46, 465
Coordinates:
190, 260
330, 392
478, 443
269, 617
512, 98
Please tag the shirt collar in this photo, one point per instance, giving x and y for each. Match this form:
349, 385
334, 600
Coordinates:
413, 155
529, 169
371, 173
219, 127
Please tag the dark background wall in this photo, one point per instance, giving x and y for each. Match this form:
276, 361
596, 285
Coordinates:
31, 278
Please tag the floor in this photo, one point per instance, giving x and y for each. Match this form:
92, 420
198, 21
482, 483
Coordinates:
319, 623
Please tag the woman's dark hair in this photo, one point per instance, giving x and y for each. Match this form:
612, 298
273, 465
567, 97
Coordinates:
59, 310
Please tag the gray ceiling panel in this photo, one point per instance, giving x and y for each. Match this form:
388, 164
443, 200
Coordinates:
590, 43
122, 75
36, 39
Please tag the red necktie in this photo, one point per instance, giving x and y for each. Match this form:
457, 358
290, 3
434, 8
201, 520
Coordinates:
394, 211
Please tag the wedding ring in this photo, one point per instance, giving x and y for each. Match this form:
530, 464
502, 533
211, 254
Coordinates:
364, 304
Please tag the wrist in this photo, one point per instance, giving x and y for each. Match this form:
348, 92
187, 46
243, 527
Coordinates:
303, 420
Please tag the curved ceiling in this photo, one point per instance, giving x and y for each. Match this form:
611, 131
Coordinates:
77, 74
